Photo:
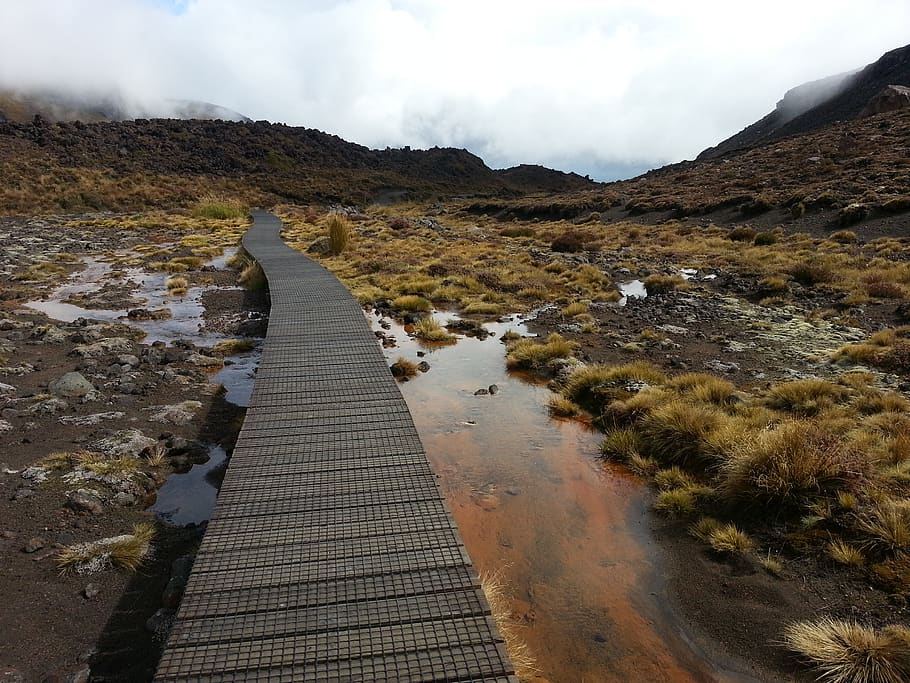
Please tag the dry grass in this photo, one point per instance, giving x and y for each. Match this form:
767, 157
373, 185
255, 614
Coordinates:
429, 330
499, 597
676, 432
728, 540
805, 397
620, 444
411, 303
403, 368
658, 284
676, 502
562, 407
125, 552
176, 285
846, 652
796, 462
887, 527
843, 553
592, 385
219, 207
338, 229
529, 354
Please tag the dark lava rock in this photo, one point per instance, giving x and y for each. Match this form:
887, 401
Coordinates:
423, 366
91, 590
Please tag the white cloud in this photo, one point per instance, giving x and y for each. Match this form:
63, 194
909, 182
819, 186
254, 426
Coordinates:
581, 84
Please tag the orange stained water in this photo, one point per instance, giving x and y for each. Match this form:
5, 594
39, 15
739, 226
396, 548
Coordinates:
534, 503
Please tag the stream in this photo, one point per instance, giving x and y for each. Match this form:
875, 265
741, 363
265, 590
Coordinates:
534, 503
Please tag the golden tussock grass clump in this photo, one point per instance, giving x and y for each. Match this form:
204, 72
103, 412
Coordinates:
676, 502
794, 463
338, 229
592, 385
805, 397
126, 552
658, 284
620, 444
428, 329
675, 432
575, 308
411, 303
529, 354
219, 207
843, 553
726, 539
560, 406
704, 388
887, 527
403, 368
176, 285
846, 652
498, 596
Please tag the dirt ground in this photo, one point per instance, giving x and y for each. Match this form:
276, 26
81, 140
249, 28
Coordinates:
59, 626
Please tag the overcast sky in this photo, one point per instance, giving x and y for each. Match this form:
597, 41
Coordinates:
602, 87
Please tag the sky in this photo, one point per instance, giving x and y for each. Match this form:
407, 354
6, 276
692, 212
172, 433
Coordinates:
601, 87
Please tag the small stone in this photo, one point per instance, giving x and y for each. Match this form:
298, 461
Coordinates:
482, 392
423, 366
128, 359
34, 545
7, 534
124, 499
71, 385
493, 389
91, 590
201, 361
84, 500
5, 426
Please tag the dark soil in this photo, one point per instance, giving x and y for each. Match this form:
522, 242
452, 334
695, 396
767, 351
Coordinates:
58, 624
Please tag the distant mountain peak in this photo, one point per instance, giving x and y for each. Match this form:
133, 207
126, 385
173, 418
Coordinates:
819, 103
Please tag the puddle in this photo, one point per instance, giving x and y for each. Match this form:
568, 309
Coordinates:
186, 497
634, 289
533, 501
185, 321
189, 497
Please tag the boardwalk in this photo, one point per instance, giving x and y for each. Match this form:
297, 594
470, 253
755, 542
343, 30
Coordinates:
330, 555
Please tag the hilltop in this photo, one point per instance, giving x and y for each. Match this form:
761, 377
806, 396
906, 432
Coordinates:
74, 166
820, 103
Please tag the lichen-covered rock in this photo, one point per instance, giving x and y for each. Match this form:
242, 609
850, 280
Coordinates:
176, 414
71, 385
127, 442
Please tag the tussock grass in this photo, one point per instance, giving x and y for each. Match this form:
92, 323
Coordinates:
673, 478
846, 652
887, 527
728, 540
658, 284
219, 207
412, 304
704, 527
125, 552
621, 444
796, 462
529, 354
575, 308
498, 596
428, 329
806, 396
843, 553
482, 308
403, 368
675, 432
176, 285
562, 407
339, 231
592, 384
704, 388
676, 502
102, 465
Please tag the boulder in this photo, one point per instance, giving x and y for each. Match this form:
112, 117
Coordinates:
71, 385
127, 442
892, 98
84, 500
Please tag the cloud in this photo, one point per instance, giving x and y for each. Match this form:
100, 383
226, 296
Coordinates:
591, 85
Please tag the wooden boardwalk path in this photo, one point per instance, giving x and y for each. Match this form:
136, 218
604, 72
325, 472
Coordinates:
330, 555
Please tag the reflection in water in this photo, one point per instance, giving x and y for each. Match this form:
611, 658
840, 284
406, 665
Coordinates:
185, 321
189, 497
634, 289
532, 499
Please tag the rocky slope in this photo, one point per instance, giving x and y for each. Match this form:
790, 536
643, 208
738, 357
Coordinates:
814, 105
135, 164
